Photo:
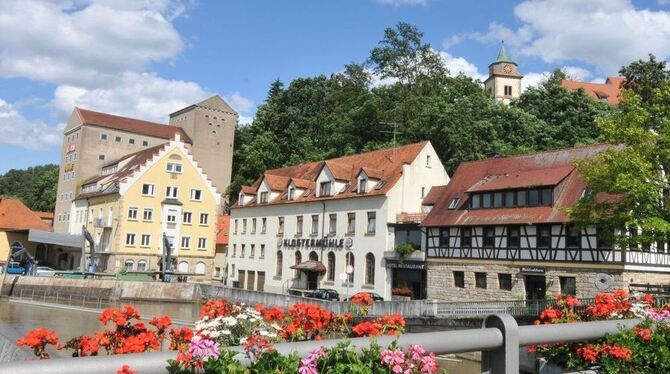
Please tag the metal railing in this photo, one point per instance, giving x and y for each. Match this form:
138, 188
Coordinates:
64, 298
499, 340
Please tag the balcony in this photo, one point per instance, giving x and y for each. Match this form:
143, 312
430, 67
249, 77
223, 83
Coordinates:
414, 256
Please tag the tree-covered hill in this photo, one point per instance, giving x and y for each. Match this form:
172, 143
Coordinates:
35, 186
320, 117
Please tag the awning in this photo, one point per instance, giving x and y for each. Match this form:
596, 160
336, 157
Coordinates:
310, 266
55, 238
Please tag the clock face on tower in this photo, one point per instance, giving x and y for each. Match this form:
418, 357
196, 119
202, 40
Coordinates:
507, 68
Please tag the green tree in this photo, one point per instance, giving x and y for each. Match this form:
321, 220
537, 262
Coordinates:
35, 186
645, 77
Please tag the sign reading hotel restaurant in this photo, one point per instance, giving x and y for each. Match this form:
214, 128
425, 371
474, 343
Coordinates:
395, 264
316, 243
532, 270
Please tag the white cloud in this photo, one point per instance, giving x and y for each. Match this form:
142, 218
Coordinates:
240, 103
84, 43
403, 2
458, 65
607, 34
533, 79
17, 130
141, 95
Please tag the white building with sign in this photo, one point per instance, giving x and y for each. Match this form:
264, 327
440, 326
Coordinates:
298, 228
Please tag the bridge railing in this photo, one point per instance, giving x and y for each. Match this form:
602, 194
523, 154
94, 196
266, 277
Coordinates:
499, 340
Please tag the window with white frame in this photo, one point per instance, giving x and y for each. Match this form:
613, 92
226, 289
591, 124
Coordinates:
187, 218
186, 242
253, 225
291, 193
148, 214
172, 192
202, 243
363, 185
428, 161
315, 224
244, 226
324, 189
173, 167
204, 217
103, 137
148, 189
280, 226
264, 197
298, 225
142, 265
132, 213
172, 216
351, 223
196, 195
129, 265
372, 222
264, 225
145, 240
332, 223
130, 239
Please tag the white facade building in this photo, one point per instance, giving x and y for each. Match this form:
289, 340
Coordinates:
325, 215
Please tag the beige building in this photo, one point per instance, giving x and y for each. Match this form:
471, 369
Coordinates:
504, 81
92, 139
140, 199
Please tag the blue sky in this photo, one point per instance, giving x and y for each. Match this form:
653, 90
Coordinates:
146, 58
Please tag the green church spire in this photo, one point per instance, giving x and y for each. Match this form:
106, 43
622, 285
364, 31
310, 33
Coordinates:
502, 55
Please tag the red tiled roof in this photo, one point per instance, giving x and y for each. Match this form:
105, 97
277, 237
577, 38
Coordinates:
303, 183
44, 215
344, 168
248, 190
132, 125
570, 186
433, 195
222, 229
410, 217
373, 173
14, 216
530, 178
609, 90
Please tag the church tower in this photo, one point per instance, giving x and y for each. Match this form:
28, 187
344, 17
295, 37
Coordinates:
504, 81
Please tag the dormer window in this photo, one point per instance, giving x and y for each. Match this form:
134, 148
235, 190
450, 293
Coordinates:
264, 197
324, 189
363, 185
291, 193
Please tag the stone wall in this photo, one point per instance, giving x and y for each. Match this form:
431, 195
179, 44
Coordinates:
441, 281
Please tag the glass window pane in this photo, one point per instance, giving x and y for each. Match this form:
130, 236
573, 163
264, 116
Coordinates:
547, 196
521, 198
509, 199
476, 201
486, 200
498, 199
533, 198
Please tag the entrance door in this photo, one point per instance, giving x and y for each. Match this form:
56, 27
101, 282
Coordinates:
536, 287
260, 281
240, 279
312, 280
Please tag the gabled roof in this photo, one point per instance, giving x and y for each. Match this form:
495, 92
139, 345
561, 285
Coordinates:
248, 190
371, 172
222, 229
132, 125
534, 169
15, 216
302, 183
388, 162
215, 102
433, 195
608, 91
276, 182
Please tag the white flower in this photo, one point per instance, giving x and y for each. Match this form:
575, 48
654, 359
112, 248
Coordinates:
229, 321
242, 316
225, 332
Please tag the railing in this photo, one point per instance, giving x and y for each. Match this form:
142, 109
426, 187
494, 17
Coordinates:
64, 298
499, 340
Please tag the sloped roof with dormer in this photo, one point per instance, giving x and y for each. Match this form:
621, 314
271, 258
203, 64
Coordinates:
131, 125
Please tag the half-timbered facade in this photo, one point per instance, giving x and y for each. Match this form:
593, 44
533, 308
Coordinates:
500, 230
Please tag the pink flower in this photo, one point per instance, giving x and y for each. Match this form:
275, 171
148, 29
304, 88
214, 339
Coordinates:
429, 364
204, 348
416, 352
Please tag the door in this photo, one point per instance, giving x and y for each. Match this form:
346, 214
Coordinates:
240, 279
536, 287
251, 279
312, 280
261, 281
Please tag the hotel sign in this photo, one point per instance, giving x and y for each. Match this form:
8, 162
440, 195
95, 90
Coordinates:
334, 243
410, 265
532, 270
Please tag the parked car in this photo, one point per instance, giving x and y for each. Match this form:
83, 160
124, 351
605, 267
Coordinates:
324, 294
44, 271
15, 268
375, 296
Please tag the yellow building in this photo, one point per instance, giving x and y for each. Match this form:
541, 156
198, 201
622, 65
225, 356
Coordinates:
143, 197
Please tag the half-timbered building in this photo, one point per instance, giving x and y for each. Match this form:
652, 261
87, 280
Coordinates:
500, 230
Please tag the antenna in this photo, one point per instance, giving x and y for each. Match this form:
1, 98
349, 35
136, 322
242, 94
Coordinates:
395, 126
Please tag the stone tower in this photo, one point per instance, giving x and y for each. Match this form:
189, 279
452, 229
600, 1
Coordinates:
211, 125
504, 81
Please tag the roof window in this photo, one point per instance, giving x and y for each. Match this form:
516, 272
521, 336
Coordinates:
454, 203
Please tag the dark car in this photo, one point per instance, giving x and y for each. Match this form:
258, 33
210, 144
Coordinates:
324, 294
375, 296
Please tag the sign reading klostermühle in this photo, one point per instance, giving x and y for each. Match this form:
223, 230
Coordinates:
314, 243
532, 270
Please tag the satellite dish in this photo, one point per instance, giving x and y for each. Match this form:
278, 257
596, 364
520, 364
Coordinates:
603, 281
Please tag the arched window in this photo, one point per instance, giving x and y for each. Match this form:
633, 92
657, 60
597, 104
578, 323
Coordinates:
129, 264
369, 268
141, 265
331, 266
298, 259
200, 268
313, 256
350, 262
279, 264
183, 267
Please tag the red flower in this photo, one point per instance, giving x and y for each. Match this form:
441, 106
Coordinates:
37, 340
274, 314
362, 298
256, 344
616, 351
588, 353
161, 323
368, 329
644, 334
125, 369
179, 338
215, 308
